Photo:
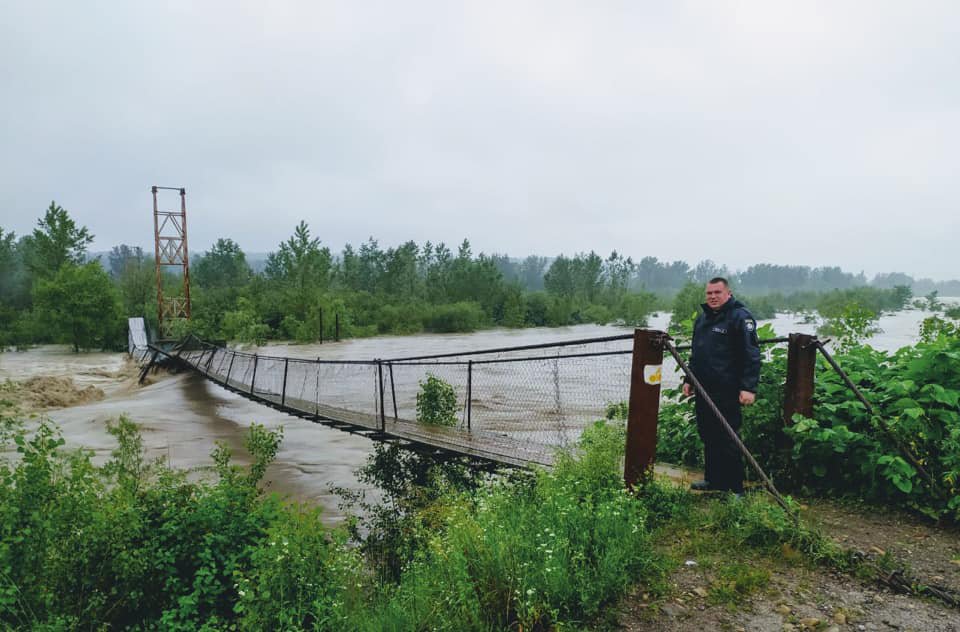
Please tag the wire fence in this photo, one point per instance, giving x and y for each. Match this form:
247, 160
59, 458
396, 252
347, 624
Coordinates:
515, 404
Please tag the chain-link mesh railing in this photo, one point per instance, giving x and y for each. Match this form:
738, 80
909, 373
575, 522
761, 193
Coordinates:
514, 405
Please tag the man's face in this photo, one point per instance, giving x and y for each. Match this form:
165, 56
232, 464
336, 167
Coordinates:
717, 295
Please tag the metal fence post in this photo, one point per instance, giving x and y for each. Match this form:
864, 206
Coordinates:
213, 354
283, 389
801, 368
253, 381
336, 337
321, 325
645, 379
317, 411
469, 391
383, 415
393, 392
233, 356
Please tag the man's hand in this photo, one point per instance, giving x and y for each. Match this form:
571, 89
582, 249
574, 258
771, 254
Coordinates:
687, 389
747, 398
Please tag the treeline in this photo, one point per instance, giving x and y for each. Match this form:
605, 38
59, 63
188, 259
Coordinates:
51, 290
52, 293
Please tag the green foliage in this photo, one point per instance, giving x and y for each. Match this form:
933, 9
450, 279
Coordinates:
436, 402
134, 544
851, 326
843, 450
242, 324
530, 554
453, 317
55, 242
223, 266
686, 306
80, 306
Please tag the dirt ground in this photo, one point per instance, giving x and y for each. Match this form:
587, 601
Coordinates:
794, 596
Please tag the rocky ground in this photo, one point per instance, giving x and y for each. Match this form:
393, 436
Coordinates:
745, 590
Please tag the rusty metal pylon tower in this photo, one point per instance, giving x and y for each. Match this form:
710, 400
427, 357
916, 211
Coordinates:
170, 232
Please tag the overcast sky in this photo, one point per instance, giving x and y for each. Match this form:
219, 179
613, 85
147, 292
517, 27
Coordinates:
808, 133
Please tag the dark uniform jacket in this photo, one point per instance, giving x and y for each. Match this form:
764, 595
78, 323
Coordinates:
726, 352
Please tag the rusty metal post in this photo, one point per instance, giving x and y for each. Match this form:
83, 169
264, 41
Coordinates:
469, 391
644, 404
156, 260
336, 335
253, 380
186, 253
283, 389
801, 368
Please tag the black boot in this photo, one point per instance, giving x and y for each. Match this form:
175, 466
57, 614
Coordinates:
700, 486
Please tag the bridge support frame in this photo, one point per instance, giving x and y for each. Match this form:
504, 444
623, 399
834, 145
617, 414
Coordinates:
171, 251
645, 379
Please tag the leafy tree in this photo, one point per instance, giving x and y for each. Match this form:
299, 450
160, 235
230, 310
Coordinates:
686, 305
531, 272
400, 276
137, 283
121, 256
223, 266
707, 269
302, 270
617, 272
79, 305
56, 241
902, 295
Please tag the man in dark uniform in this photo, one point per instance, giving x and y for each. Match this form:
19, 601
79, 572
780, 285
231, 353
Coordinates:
726, 360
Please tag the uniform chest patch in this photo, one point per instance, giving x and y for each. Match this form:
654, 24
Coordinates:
719, 330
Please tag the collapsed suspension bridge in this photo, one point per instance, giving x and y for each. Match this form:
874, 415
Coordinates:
517, 405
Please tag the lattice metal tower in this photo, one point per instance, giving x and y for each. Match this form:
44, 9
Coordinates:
170, 231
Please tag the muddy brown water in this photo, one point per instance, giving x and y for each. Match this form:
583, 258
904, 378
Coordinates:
183, 416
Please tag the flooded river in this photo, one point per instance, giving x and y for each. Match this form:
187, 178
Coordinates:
183, 416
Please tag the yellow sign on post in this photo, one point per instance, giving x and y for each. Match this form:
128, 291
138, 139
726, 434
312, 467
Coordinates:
652, 374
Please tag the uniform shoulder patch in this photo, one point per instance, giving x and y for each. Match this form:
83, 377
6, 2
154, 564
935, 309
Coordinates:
749, 324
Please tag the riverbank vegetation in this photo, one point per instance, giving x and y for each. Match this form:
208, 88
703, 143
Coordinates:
52, 290
133, 543
905, 454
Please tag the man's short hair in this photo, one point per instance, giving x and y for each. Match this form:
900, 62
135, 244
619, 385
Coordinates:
719, 280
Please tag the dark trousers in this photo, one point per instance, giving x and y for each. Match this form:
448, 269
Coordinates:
723, 468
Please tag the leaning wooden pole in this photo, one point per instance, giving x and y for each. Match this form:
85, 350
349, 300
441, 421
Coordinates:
645, 378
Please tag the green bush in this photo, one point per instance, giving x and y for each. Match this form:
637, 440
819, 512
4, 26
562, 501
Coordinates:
134, 544
436, 402
559, 548
464, 316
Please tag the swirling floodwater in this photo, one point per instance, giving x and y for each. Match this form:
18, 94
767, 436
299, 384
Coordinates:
183, 416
